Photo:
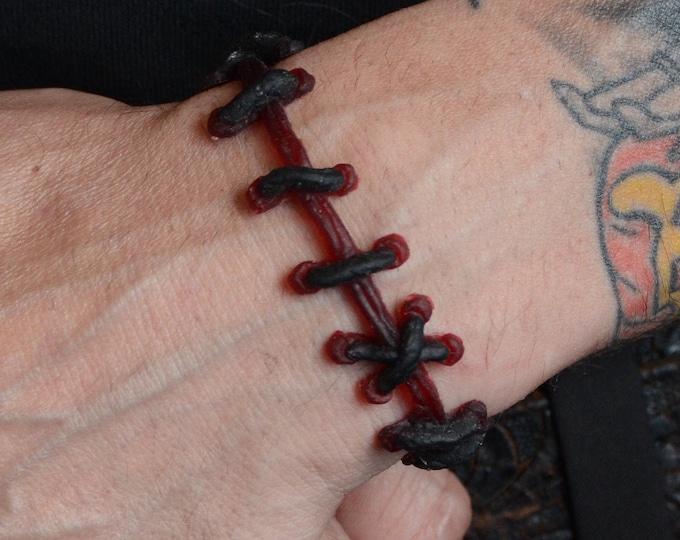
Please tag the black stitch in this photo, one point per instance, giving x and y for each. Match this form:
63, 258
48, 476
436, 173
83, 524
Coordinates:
228, 70
434, 435
279, 181
270, 47
411, 345
246, 107
347, 270
439, 445
460, 451
433, 351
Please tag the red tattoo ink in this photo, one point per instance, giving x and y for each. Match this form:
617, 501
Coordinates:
638, 201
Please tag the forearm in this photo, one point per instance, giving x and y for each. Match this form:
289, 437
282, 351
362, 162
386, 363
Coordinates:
460, 135
564, 94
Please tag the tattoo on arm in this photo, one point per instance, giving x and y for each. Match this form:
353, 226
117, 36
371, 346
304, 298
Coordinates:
638, 196
657, 18
475, 3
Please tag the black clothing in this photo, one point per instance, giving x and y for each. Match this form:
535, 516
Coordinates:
152, 52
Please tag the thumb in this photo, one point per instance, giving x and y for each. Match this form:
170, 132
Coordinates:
407, 503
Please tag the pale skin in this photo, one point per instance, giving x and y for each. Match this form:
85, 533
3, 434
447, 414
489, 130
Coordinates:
157, 380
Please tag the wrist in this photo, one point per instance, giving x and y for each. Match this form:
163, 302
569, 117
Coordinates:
486, 177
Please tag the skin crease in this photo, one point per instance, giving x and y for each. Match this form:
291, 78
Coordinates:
158, 380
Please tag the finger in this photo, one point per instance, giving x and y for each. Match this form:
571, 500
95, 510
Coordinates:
404, 502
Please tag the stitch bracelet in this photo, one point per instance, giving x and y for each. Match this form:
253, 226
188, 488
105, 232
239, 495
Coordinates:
432, 438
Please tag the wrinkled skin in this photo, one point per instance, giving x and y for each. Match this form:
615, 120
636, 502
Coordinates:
158, 381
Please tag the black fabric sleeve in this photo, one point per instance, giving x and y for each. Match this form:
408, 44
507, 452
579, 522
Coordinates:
613, 471
143, 52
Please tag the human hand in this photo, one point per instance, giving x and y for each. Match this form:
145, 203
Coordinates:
153, 385
158, 380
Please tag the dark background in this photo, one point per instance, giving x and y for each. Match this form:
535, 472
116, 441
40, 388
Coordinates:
152, 52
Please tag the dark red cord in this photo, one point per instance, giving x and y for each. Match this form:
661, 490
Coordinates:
432, 438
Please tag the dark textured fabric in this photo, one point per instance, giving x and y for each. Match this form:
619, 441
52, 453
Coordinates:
151, 52
614, 474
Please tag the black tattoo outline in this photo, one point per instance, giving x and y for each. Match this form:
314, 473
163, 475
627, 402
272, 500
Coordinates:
626, 111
